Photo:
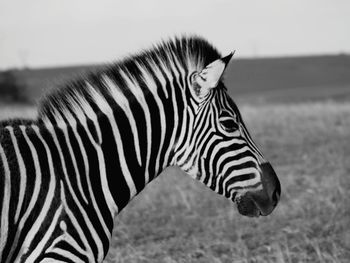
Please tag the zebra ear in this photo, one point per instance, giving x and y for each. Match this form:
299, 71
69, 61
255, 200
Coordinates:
210, 76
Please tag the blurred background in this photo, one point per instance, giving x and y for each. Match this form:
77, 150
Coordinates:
291, 80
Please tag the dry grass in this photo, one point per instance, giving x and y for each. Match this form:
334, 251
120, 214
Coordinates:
176, 219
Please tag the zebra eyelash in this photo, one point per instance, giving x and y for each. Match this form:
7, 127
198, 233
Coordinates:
228, 122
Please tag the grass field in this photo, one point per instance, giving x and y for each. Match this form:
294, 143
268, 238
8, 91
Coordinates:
176, 219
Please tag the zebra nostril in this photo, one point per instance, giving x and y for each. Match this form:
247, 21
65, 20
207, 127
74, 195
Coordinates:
275, 197
277, 193
271, 183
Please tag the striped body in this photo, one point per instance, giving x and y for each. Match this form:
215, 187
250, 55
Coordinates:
99, 140
49, 198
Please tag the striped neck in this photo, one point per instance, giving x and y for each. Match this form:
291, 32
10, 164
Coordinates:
132, 112
130, 134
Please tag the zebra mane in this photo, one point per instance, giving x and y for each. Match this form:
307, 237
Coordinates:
190, 53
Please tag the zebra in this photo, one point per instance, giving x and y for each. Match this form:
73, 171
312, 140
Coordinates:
100, 139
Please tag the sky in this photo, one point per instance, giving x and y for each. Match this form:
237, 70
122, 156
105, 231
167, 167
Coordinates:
41, 33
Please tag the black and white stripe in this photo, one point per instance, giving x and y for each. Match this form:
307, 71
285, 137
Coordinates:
100, 139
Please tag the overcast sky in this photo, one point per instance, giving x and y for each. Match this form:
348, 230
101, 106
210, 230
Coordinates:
39, 33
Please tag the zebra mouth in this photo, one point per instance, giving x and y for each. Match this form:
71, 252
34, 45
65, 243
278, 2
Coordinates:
247, 207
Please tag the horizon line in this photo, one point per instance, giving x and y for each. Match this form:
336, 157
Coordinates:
101, 63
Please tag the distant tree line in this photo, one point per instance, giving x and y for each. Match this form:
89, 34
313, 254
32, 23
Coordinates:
12, 89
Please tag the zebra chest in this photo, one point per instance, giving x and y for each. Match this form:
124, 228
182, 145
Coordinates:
54, 241
67, 241
62, 234
71, 236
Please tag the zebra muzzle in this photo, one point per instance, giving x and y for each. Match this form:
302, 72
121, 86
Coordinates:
264, 201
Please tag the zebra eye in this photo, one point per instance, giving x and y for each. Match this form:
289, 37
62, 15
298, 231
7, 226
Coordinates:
227, 122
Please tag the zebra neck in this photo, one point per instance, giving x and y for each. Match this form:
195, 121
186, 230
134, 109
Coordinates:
137, 143
128, 143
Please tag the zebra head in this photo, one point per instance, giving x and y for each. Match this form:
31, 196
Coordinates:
218, 149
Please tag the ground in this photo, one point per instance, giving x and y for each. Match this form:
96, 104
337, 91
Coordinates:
176, 219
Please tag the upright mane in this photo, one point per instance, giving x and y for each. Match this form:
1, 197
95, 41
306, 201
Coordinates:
190, 53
